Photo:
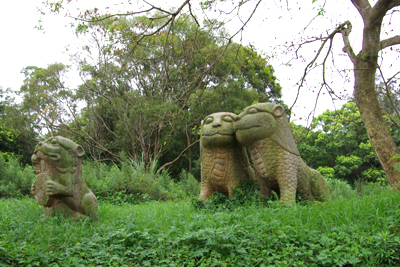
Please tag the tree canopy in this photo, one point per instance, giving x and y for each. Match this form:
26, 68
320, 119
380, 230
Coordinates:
338, 146
161, 53
146, 100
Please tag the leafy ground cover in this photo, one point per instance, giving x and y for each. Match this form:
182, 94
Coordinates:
347, 231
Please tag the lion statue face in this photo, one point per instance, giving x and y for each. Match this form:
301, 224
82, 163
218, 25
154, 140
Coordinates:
217, 129
265, 121
258, 121
58, 152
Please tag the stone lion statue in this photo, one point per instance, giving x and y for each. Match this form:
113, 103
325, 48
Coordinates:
224, 162
264, 130
59, 185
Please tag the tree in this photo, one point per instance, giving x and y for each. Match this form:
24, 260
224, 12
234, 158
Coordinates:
47, 102
389, 99
147, 100
365, 67
365, 63
17, 136
338, 146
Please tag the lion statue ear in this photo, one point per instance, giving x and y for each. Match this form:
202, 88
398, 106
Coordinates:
79, 151
278, 111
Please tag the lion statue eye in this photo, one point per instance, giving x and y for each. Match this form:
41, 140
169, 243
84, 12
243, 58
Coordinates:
53, 141
55, 157
208, 120
227, 119
252, 111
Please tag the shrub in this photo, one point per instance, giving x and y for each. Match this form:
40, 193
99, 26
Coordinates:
339, 189
133, 182
327, 172
189, 184
245, 194
365, 188
15, 180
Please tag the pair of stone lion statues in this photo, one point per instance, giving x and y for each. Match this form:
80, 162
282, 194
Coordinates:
263, 130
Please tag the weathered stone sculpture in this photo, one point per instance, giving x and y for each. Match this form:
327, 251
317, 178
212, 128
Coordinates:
264, 130
224, 163
59, 185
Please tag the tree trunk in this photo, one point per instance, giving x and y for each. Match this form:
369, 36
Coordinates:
365, 66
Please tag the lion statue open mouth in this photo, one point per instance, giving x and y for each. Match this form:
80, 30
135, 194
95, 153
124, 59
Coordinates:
59, 185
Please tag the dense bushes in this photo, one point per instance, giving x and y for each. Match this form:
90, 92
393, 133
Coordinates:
129, 182
15, 180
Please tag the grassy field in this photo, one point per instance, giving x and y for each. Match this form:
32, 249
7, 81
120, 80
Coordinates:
348, 231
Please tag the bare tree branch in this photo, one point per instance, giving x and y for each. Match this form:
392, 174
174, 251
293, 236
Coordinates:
380, 8
91, 141
395, 40
394, 4
340, 29
389, 93
193, 16
362, 6
177, 158
152, 7
393, 77
345, 31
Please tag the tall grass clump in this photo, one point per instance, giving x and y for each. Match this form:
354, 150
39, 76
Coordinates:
188, 184
15, 179
339, 189
371, 188
131, 181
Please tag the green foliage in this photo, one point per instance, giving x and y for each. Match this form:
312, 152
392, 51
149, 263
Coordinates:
189, 184
338, 146
128, 182
339, 189
17, 136
397, 165
47, 103
149, 99
245, 194
15, 180
354, 231
327, 172
133, 182
364, 188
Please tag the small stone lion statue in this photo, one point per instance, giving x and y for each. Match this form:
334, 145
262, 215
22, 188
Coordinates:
59, 185
224, 162
264, 130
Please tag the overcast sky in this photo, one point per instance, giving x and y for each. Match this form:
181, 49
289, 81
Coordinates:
22, 45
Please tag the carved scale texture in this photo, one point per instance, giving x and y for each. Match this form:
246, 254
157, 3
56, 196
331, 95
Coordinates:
283, 135
222, 169
284, 172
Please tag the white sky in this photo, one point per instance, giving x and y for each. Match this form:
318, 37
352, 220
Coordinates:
22, 45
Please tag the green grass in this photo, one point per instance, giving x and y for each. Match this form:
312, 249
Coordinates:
352, 231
